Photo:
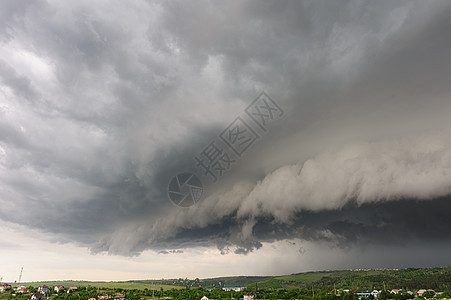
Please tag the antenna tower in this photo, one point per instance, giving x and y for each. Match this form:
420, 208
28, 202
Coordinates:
20, 276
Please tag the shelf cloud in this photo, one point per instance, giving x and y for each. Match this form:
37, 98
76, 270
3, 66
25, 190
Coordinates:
101, 104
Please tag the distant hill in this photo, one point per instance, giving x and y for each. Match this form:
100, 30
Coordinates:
412, 278
208, 282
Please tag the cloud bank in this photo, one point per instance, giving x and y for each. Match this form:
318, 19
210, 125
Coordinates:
102, 103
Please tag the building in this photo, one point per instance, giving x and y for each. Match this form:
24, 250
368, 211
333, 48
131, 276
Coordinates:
421, 292
204, 298
72, 288
103, 296
36, 296
248, 296
58, 288
374, 293
119, 297
234, 288
43, 287
22, 290
5, 287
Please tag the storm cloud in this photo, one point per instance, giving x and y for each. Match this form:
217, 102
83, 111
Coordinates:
101, 104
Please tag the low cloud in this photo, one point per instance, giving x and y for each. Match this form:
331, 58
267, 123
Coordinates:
170, 251
365, 179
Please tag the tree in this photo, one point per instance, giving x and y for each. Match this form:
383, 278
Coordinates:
428, 294
384, 295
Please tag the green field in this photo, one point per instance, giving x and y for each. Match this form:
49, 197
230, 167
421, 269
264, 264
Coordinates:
103, 284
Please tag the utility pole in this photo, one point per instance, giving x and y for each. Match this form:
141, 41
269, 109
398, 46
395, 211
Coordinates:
20, 276
313, 291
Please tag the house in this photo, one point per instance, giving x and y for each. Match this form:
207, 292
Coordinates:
72, 288
43, 287
204, 298
36, 296
234, 288
119, 297
23, 290
373, 293
248, 296
394, 291
58, 288
421, 292
5, 287
103, 296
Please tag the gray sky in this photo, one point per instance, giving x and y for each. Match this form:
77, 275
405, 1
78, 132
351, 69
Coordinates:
102, 103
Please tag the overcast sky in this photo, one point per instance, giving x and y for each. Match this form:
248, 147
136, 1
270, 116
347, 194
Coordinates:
103, 102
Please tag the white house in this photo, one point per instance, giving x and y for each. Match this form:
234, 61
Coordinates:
103, 296
58, 288
42, 288
248, 296
234, 288
421, 292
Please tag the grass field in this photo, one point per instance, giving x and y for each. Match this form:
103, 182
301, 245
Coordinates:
102, 284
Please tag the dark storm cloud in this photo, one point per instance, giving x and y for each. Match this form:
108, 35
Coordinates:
101, 104
21, 85
388, 223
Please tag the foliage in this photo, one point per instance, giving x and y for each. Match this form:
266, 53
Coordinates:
438, 279
309, 286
